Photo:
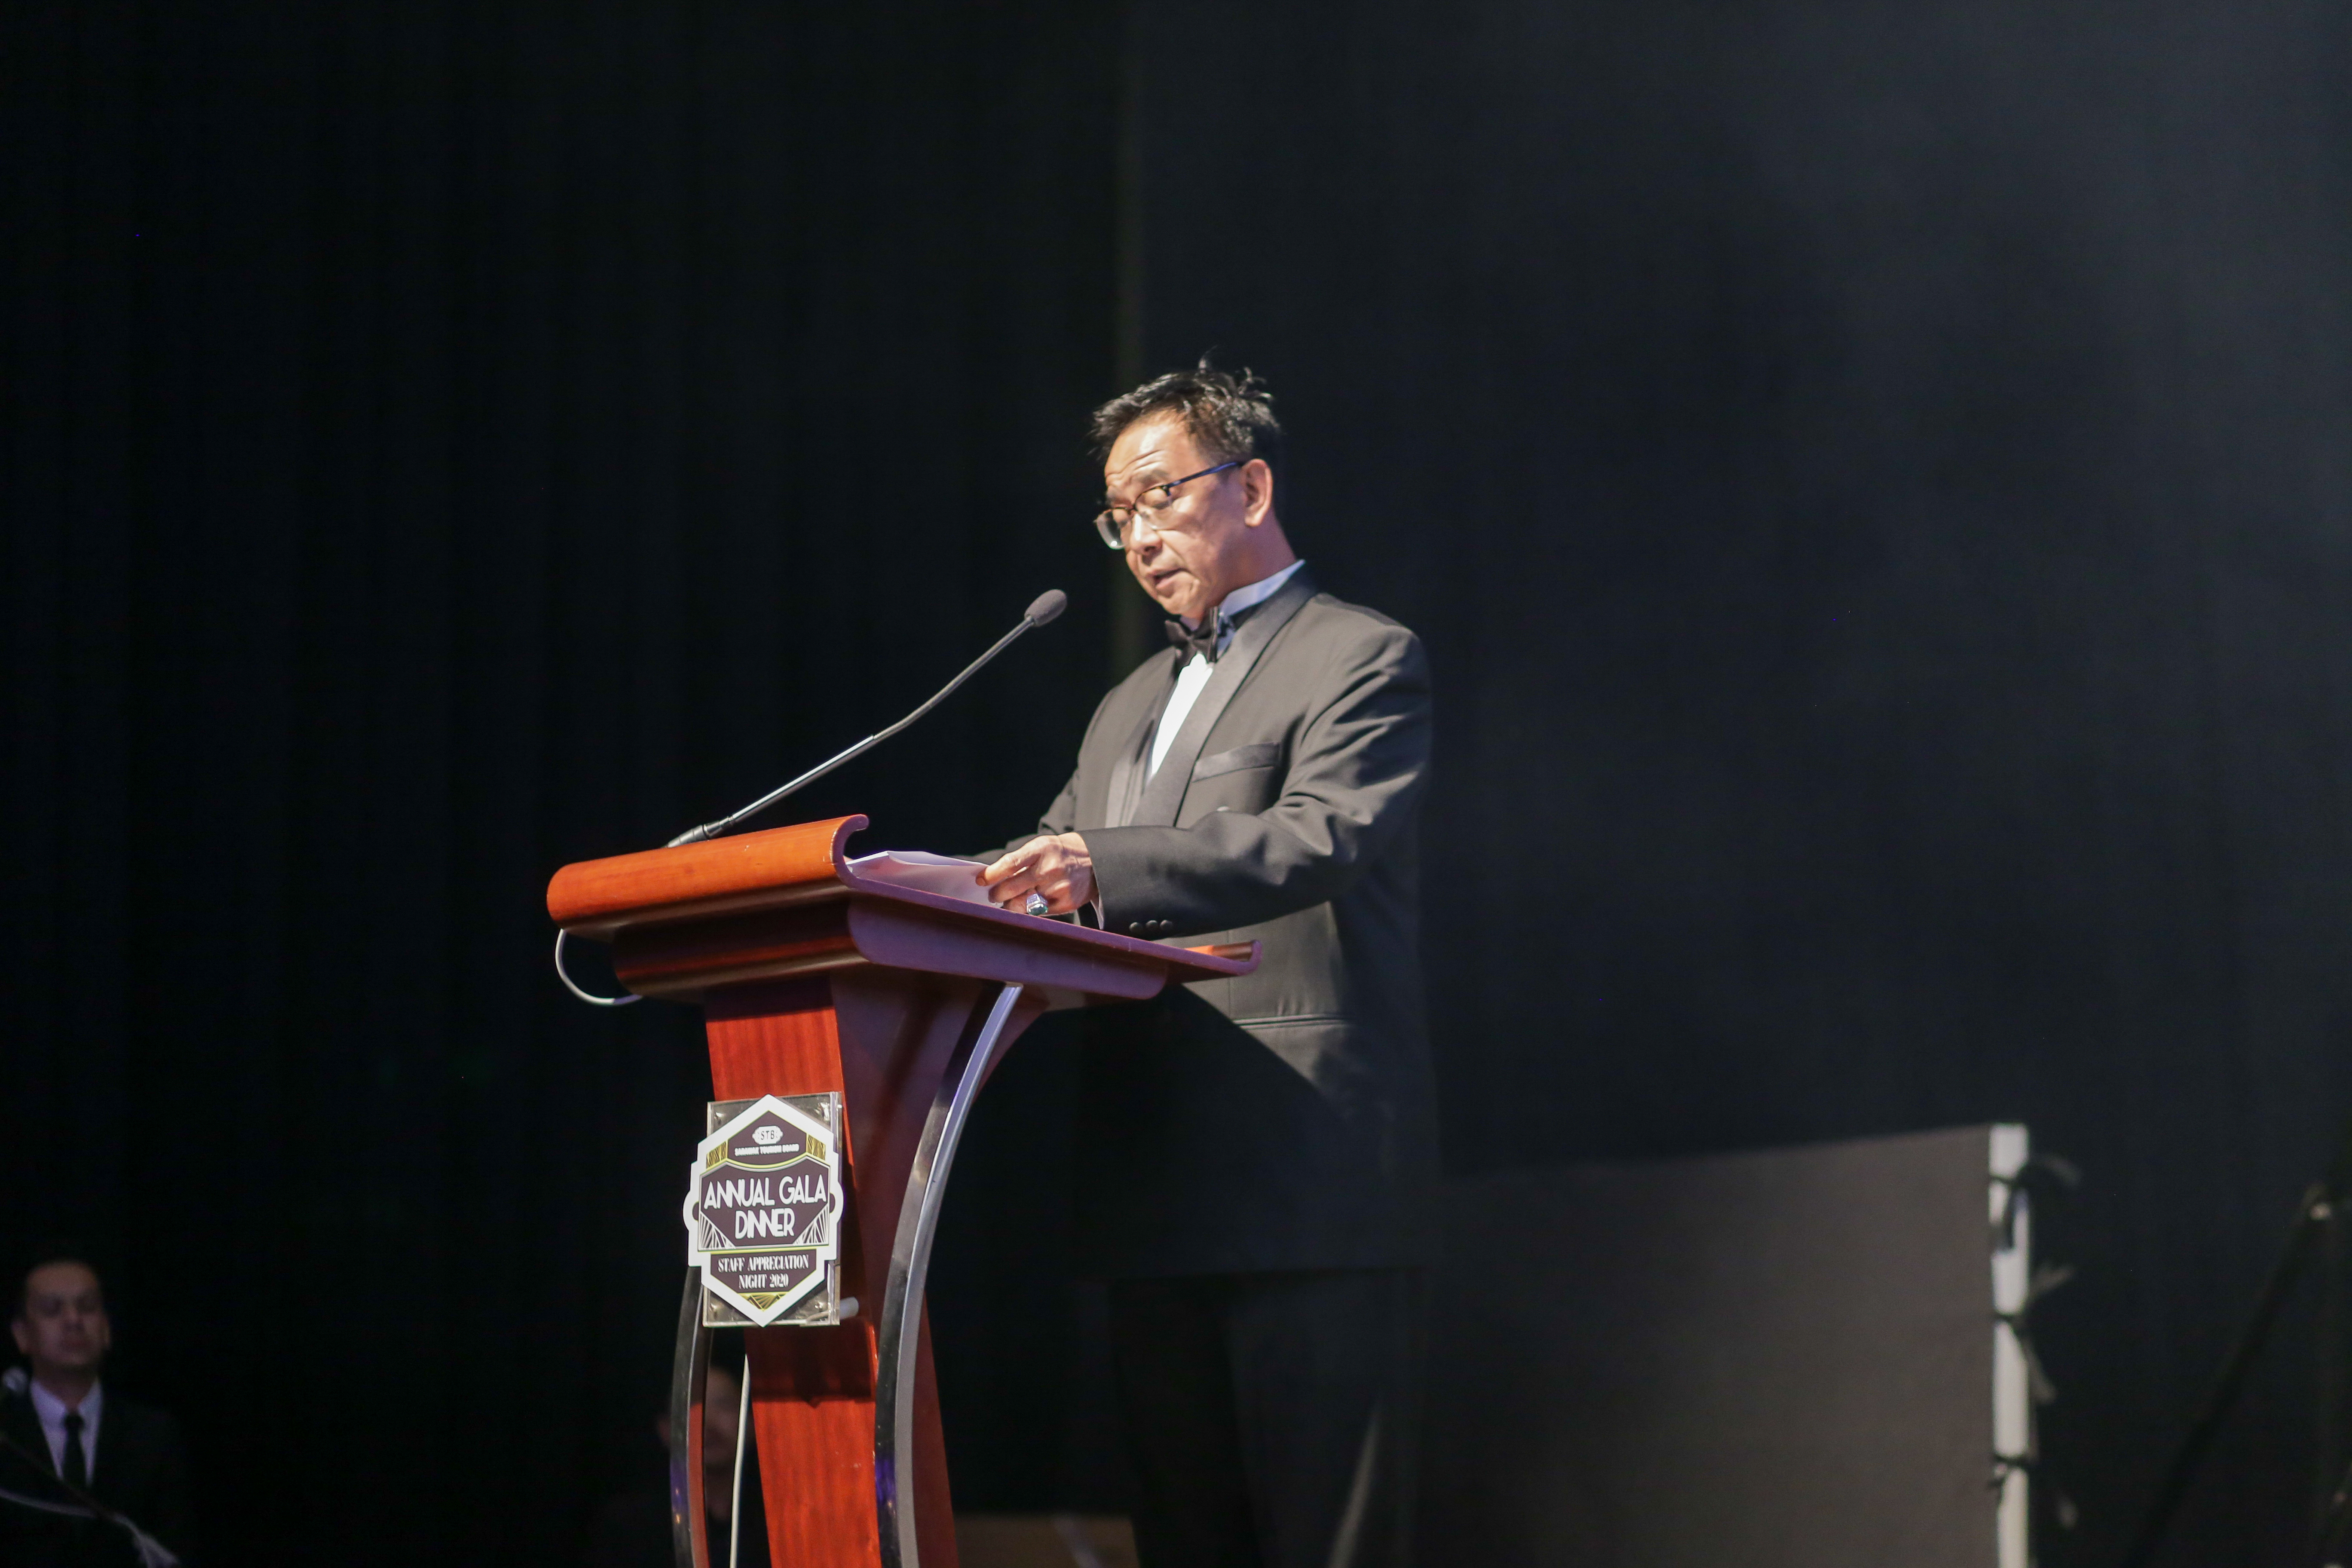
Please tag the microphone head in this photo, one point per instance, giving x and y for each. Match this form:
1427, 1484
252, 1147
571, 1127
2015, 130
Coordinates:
1045, 606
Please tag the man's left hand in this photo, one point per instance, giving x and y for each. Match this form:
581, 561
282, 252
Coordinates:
1058, 866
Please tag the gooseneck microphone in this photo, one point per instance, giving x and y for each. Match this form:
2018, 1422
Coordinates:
1041, 609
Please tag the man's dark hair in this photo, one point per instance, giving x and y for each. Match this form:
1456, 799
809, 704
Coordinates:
1230, 417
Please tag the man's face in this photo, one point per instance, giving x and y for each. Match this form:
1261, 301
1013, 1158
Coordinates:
64, 1328
719, 1419
1190, 556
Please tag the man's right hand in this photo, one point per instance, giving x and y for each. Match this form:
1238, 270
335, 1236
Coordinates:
1057, 865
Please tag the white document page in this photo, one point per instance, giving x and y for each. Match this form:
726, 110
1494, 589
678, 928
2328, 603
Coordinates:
925, 872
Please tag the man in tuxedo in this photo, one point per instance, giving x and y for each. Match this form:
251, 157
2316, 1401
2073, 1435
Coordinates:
1257, 1155
64, 1424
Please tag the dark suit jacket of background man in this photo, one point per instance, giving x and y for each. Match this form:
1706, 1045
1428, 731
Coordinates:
1281, 1119
139, 1470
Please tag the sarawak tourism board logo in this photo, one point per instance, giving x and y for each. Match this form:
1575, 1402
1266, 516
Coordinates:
763, 1208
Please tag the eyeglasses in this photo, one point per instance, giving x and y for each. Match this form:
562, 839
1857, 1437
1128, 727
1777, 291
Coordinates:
1112, 521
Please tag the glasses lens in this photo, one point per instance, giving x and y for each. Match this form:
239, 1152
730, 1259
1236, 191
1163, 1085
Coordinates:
1108, 526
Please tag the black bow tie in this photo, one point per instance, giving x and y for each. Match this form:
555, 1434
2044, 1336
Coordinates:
1201, 640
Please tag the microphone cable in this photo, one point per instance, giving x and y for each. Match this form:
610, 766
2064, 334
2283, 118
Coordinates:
621, 1001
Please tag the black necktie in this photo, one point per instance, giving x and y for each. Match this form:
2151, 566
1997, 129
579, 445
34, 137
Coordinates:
77, 1470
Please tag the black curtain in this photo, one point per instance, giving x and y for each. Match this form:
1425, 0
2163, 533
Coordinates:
444, 441
1876, 482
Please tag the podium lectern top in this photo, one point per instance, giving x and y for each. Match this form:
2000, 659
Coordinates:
784, 903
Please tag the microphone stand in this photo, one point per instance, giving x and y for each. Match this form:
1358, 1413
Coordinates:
2317, 1210
2328, 1549
1047, 605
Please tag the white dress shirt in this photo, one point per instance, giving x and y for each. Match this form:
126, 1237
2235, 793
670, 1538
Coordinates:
1195, 673
52, 1412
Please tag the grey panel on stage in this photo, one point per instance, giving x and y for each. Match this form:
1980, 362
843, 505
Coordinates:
1776, 1358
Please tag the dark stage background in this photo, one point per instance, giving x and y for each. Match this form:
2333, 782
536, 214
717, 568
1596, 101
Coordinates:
446, 441
1876, 483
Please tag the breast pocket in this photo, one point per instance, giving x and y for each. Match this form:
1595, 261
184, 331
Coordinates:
1263, 754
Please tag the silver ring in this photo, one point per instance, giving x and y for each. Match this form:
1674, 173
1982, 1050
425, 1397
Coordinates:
1037, 904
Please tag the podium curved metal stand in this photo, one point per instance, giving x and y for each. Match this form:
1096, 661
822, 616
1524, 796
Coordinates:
812, 980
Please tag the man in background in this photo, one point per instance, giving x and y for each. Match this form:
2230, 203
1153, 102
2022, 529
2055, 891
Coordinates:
632, 1531
64, 1424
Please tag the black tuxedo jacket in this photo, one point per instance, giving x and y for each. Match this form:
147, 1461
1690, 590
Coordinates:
1283, 1119
140, 1471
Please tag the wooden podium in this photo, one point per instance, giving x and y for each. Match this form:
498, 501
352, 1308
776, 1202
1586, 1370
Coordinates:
812, 980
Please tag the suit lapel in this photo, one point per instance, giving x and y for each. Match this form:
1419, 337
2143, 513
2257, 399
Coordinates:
24, 1427
1163, 794
1127, 773
114, 1432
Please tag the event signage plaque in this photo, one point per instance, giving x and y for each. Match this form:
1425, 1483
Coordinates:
763, 1205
